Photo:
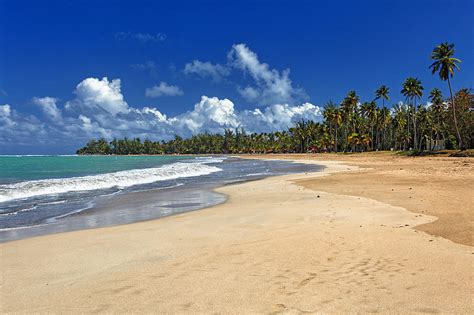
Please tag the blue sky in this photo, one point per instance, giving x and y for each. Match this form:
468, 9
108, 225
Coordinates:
255, 54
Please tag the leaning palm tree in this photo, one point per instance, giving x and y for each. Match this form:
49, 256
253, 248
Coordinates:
382, 93
445, 64
413, 90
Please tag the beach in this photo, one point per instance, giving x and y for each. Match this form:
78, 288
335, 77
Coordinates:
370, 233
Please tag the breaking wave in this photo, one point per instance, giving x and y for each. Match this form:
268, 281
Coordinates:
121, 179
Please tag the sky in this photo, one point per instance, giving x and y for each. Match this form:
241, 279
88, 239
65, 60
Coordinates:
75, 70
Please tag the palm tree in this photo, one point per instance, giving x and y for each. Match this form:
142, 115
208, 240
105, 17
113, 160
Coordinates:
350, 102
366, 140
445, 64
353, 140
382, 93
349, 111
413, 90
333, 117
328, 115
383, 120
337, 122
372, 115
436, 98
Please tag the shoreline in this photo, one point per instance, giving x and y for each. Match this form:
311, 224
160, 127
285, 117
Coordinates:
164, 198
253, 253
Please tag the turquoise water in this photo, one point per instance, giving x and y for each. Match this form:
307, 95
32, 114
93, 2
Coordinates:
50, 194
21, 168
38, 189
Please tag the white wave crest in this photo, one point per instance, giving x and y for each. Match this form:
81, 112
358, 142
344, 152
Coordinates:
120, 179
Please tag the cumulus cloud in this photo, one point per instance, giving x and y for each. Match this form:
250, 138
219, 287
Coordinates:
98, 96
142, 37
271, 86
16, 129
5, 118
206, 70
279, 116
164, 89
49, 107
100, 110
249, 93
211, 114
5, 110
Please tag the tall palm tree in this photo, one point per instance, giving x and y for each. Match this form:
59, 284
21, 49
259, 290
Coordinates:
444, 63
328, 114
382, 93
349, 112
436, 98
372, 115
369, 111
333, 116
413, 90
385, 119
337, 116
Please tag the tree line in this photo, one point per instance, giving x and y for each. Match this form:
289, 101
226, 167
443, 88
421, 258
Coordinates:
350, 126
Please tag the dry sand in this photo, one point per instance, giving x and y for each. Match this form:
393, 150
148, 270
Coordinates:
437, 186
275, 246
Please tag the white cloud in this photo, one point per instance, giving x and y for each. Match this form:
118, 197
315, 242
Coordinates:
206, 69
99, 110
48, 105
156, 113
5, 111
164, 89
271, 85
278, 116
210, 114
6, 121
18, 129
98, 96
249, 93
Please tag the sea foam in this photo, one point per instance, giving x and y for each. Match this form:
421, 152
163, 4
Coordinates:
119, 179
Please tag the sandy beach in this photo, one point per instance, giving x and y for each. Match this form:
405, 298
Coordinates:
371, 233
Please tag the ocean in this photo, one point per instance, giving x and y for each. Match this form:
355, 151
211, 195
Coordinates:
50, 194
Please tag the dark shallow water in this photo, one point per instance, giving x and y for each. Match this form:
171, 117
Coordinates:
89, 209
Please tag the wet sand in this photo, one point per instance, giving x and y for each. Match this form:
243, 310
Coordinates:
274, 246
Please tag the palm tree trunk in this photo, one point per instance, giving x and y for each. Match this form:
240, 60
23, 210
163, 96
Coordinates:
346, 146
454, 114
372, 142
408, 125
330, 128
415, 140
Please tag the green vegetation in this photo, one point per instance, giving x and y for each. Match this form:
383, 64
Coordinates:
445, 64
351, 126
